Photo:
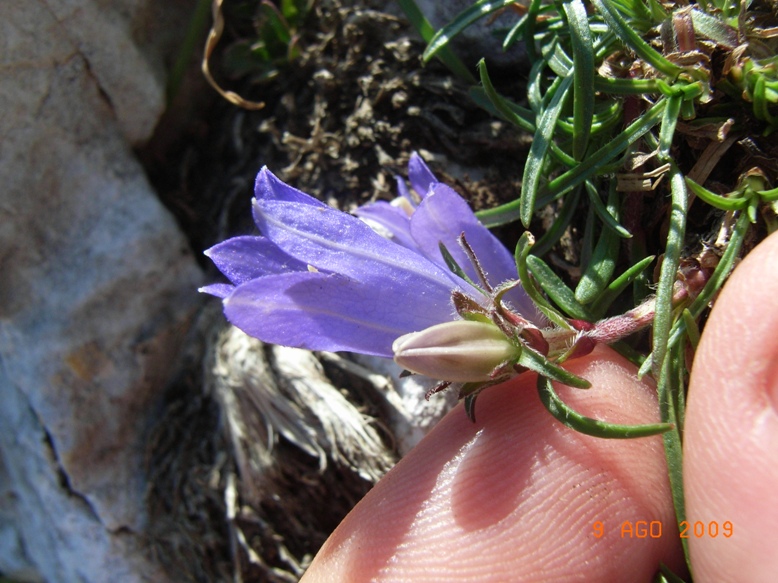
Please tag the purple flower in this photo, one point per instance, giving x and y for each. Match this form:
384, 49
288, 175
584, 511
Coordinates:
322, 279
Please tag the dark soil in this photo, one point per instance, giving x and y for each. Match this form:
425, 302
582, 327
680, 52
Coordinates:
339, 124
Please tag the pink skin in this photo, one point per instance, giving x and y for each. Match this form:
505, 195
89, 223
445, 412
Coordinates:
519, 497
731, 469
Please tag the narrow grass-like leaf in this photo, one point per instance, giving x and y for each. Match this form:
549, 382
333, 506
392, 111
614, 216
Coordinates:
587, 241
588, 426
535, 83
534, 165
599, 270
679, 368
714, 28
523, 118
692, 330
675, 239
522, 256
615, 86
424, 28
618, 285
669, 269
594, 162
461, 22
768, 195
454, 267
515, 33
529, 29
583, 73
634, 356
538, 363
646, 367
602, 120
515, 114
630, 37
604, 214
557, 290
558, 60
761, 103
667, 129
716, 200
666, 388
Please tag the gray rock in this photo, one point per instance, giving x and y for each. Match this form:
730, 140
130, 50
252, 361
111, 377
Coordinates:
96, 290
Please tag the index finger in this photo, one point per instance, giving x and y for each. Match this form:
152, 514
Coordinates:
517, 496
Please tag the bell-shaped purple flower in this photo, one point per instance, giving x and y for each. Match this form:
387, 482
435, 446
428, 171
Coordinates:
322, 279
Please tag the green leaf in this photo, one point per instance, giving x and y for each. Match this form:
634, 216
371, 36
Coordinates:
714, 28
717, 279
446, 55
716, 200
538, 363
667, 576
618, 285
604, 214
616, 86
603, 120
667, 129
556, 289
669, 268
522, 257
593, 163
461, 22
533, 168
489, 99
598, 272
692, 330
586, 425
667, 388
583, 74
768, 195
454, 267
631, 37
515, 114
529, 29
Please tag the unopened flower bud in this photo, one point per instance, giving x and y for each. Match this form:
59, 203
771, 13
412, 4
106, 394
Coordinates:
461, 351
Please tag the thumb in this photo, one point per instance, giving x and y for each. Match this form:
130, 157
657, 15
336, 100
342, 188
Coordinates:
731, 433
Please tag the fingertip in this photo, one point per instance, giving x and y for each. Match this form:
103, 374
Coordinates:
517, 496
731, 431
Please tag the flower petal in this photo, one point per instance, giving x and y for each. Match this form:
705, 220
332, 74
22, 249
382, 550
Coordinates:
333, 241
321, 311
220, 290
441, 218
391, 218
269, 187
402, 188
245, 258
420, 176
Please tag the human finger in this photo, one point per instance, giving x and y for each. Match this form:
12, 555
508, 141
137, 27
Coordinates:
731, 433
517, 496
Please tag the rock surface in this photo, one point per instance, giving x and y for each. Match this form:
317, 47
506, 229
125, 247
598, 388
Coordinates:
96, 291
